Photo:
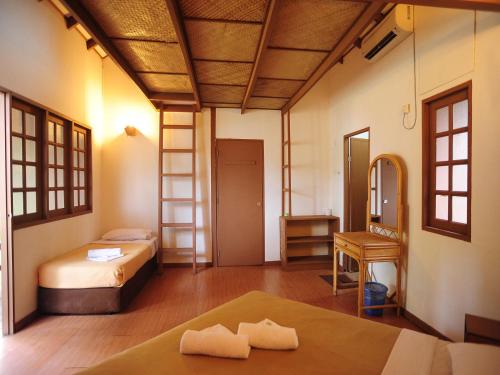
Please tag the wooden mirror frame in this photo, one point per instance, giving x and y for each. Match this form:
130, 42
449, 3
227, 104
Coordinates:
387, 230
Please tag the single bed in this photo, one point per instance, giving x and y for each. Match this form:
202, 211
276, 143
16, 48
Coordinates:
72, 284
329, 343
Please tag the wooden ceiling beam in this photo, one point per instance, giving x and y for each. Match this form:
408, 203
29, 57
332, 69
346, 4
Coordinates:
176, 16
488, 5
173, 98
91, 43
369, 14
70, 22
83, 17
264, 40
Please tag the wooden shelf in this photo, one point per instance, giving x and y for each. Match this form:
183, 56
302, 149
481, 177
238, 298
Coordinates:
313, 259
309, 239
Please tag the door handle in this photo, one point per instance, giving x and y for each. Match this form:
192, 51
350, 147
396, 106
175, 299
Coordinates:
259, 204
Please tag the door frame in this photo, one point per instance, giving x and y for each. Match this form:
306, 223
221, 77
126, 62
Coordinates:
347, 179
215, 193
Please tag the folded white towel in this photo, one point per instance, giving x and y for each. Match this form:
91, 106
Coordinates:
217, 341
269, 335
104, 258
104, 252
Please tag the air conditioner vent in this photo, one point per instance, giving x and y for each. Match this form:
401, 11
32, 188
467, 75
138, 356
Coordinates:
378, 47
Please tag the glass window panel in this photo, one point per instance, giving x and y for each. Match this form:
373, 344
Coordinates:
17, 204
52, 200
17, 176
30, 176
51, 154
59, 133
75, 159
461, 114
460, 146
442, 120
30, 150
82, 197
75, 198
81, 141
82, 178
60, 199
75, 139
52, 177
17, 121
82, 160
60, 156
50, 129
442, 207
30, 124
442, 178
31, 202
17, 148
460, 177
75, 178
60, 177
459, 209
442, 150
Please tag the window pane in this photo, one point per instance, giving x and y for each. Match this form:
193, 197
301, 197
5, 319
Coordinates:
75, 139
459, 209
51, 131
460, 114
31, 202
460, 146
17, 121
17, 148
442, 207
82, 197
17, 204
75, 198
75, 178
60, 156
30, 150
60, 199
82, 178
81, 141
51, 154
442, 178
442, 120
52, 177
17, 176
75, 159
30, 176
30, 125
60, 177
442, 150
82, 160
52, 200
59, 134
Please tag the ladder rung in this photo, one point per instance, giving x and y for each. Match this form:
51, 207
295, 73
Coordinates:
177, 199
285, 143
286, 190
177, 225
285, 166
177, 175
179, 150
177, 126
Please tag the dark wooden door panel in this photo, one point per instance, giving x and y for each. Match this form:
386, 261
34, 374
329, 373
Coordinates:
360, 162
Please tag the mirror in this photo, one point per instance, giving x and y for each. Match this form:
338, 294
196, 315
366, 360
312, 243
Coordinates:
384, 198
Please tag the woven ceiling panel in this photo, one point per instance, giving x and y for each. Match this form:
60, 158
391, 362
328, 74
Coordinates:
222, 41
221, 105
289, 64
237, 10
153, 56
272, 87
222, 94
166, 82
223, 72
146, 19
313, 24
266, 103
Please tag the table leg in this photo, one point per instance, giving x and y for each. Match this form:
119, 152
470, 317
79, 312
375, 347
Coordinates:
398, 286
335, 267
361, 286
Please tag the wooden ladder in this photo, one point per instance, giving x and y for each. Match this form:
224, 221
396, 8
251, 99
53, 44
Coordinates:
165, 177
286, 165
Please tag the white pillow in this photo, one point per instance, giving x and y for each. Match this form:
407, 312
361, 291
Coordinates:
128, 234
467, 358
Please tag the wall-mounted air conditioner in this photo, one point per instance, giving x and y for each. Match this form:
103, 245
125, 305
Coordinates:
395, 28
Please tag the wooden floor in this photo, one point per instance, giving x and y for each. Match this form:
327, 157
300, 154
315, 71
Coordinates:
65, 344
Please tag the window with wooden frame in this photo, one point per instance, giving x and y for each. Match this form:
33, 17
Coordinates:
57, 166
81, 168
447, 126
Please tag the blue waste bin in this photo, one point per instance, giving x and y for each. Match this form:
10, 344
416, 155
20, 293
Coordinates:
375, 295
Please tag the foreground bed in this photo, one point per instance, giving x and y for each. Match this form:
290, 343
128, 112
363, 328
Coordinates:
72, 284
330, 342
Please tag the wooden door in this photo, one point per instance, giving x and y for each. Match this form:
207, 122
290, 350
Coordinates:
359, 164
240, 202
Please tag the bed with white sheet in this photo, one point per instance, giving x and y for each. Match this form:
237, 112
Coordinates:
73, 283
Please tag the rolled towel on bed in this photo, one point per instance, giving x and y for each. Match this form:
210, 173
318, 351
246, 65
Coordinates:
216, 341
269, 335
98, 253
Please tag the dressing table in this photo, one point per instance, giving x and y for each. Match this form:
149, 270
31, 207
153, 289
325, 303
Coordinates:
381, 242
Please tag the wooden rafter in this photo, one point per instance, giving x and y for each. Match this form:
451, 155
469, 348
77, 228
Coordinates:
176, 16
264, 40
173, 98
488, 5
91, 43
83, 17
70, 22
370, 13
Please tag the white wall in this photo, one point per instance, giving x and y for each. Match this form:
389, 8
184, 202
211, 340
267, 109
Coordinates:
45, 62
446, 278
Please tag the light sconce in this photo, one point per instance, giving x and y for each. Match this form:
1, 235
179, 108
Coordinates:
130, 131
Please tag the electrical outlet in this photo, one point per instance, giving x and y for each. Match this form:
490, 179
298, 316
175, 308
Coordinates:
406, 108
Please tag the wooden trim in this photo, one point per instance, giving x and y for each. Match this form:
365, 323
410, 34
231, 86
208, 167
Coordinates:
289, 148
193, 190
222, 20
176, 17
423, 325
371, 12
283, 144
487, 5
265, 36
26, 321
159, 253
481, 330
299, 49
213, 183
272, 263
70, 22
91, 43
173, 98
188, 265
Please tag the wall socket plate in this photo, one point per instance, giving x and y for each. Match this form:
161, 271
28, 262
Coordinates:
406, 108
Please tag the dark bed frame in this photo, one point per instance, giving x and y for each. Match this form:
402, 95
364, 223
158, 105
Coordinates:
94, 300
